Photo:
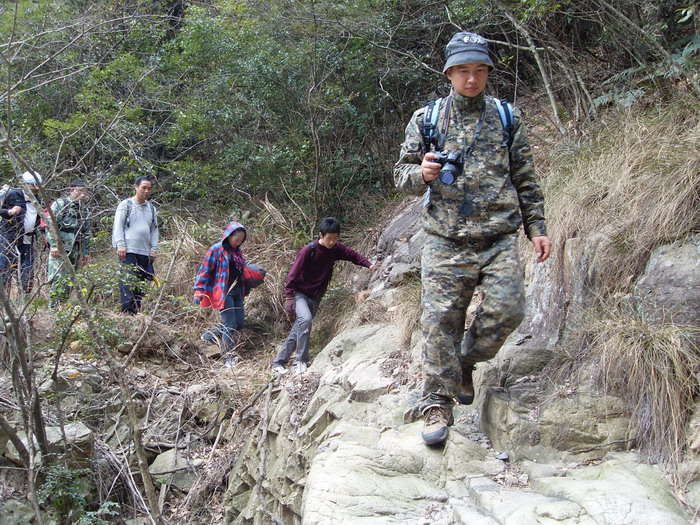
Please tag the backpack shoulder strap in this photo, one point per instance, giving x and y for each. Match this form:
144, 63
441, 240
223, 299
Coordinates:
154, 220
59, 205
430, 120
129, 205
312, 251
505, 110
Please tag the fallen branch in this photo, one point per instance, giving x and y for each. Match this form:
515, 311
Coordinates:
604, 445
253, 400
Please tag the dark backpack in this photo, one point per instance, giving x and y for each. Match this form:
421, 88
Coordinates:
312, 252
430, 133
130, 205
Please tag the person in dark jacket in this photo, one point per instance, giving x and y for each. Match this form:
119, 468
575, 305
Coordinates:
220, 285
17, 228
307, 281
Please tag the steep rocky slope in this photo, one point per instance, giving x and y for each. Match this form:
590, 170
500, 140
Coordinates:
340, 444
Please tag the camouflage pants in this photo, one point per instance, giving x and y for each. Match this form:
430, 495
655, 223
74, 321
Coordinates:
450, 273
58, 276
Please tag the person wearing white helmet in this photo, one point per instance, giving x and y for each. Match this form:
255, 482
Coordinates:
18, 226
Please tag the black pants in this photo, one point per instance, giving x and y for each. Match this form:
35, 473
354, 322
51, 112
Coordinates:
136, 268
13, 254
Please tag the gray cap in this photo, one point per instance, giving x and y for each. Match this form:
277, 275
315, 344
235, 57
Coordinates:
465, 48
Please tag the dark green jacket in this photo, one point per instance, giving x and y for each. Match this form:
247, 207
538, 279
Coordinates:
500, 184
73, 219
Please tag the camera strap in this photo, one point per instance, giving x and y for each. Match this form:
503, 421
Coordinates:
442, 134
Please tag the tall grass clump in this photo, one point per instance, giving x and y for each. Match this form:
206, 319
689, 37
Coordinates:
633, 186
637, 182
406, 314
652, 368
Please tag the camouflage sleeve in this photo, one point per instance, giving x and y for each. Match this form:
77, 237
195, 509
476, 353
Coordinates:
522, 173
86, 229
56, 207
408, 175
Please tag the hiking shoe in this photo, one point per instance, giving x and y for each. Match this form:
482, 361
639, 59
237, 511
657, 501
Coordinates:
279, 370
466, 395
301, 367
208, 337
436, 420
229, 361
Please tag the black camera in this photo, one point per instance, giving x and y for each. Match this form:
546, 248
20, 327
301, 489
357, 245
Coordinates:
451, 163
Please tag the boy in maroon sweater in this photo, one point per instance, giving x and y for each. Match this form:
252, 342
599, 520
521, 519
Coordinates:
307, 281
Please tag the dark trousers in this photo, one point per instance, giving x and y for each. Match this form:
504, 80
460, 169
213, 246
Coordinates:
136, 268
10, 255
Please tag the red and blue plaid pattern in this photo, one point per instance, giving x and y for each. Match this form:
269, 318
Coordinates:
211, 283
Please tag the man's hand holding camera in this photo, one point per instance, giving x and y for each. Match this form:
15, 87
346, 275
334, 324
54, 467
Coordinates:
449, 166
429, 167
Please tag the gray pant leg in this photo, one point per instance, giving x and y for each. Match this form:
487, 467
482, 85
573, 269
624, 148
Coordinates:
298, 338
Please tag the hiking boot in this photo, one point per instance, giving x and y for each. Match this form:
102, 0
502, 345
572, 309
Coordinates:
436, 420
466, 395
301, 367
279, 370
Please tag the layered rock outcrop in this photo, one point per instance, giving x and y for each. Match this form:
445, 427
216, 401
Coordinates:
338, 445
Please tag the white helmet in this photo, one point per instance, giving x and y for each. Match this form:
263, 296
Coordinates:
32, 177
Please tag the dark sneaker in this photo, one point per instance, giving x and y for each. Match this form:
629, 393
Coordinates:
466, 395
435, 423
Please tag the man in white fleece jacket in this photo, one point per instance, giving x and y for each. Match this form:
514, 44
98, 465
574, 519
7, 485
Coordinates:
135, 237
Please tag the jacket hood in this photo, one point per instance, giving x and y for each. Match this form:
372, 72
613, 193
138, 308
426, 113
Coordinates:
232, 227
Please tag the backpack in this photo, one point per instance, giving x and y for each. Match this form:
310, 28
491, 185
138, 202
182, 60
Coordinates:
130, 205
127, 222
253, 276
430, 133
312, 251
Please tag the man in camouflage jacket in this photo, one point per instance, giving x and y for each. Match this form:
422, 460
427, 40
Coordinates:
73, 221
472, 221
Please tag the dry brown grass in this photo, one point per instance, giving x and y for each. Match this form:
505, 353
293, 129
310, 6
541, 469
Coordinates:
637, 182
635, 186
653, 368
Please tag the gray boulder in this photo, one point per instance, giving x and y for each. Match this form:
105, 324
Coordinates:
78, 445
669, 290
333, 448
174, 468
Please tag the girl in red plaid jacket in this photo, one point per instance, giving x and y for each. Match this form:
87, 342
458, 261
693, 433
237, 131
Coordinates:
220, 285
